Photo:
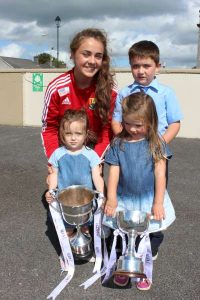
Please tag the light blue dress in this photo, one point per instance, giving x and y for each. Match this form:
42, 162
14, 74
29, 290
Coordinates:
74, 168
136, 182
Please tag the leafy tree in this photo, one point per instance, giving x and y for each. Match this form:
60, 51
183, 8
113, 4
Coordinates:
58, 64
46, 58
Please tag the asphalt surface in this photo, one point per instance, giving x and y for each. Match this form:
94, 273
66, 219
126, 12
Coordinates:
29, 265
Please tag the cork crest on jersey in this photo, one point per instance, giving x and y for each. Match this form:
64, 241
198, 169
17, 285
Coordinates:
92, 103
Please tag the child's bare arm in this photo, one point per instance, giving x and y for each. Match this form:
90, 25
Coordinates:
98, 179
116, 127
113, 179
171, 131
52, 183
160, 185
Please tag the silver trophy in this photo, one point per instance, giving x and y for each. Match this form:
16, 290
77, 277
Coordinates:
77, 205
133, 223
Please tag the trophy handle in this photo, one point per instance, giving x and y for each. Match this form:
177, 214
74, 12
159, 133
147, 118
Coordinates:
53, 193
162, 223
151, 217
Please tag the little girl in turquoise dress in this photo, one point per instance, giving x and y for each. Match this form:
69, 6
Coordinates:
137, 171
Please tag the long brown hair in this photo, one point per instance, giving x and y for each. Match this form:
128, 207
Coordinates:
104, 78
142, 107
72, 115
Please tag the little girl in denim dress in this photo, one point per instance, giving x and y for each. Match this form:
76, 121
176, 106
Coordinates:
137, 172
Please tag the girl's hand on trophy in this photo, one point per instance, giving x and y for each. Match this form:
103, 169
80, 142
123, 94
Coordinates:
110, 208
158, 212
48, 197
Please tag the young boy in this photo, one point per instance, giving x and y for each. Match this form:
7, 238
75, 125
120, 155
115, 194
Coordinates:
144, 59
145, 64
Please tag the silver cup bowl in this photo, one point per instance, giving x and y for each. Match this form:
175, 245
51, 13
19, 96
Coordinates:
76, 204
77, 207
132, 220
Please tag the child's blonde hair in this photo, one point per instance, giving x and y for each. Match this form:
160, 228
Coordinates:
72, 115
142, 106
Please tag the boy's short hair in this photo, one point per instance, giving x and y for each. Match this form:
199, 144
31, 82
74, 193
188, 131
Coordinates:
144, 49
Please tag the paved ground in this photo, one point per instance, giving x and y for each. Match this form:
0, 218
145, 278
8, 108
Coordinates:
29, 267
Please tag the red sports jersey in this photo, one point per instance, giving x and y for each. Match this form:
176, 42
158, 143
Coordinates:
62, 94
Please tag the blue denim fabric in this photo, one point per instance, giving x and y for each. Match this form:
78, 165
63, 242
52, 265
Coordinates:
136, 180
154, 226
74, 169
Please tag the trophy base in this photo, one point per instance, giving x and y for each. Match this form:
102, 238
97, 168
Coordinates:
130, 266
82, 257
81, 246
129, 274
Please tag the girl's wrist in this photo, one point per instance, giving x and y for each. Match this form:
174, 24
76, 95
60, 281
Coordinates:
158, 203
159, 199
111, 202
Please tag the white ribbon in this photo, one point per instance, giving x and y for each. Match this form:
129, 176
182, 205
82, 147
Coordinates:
113, 256
100, 273
144, 252
94, 278
65, 246
97, 235
123, 243
97, 246
105, 251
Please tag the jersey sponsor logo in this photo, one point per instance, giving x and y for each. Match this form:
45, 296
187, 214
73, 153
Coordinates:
66, 101
64, 91
91, 103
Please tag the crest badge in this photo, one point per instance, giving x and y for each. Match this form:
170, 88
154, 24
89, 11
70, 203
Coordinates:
91, 103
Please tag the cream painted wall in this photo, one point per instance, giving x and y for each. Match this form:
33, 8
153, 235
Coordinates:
11, 98
20, 105
187, 91
34, 101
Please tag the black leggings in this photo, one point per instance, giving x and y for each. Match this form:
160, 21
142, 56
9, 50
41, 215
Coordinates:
156, 239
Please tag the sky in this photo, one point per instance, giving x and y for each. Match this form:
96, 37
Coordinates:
27, 27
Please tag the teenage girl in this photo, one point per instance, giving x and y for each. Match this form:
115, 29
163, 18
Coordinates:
88, 85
